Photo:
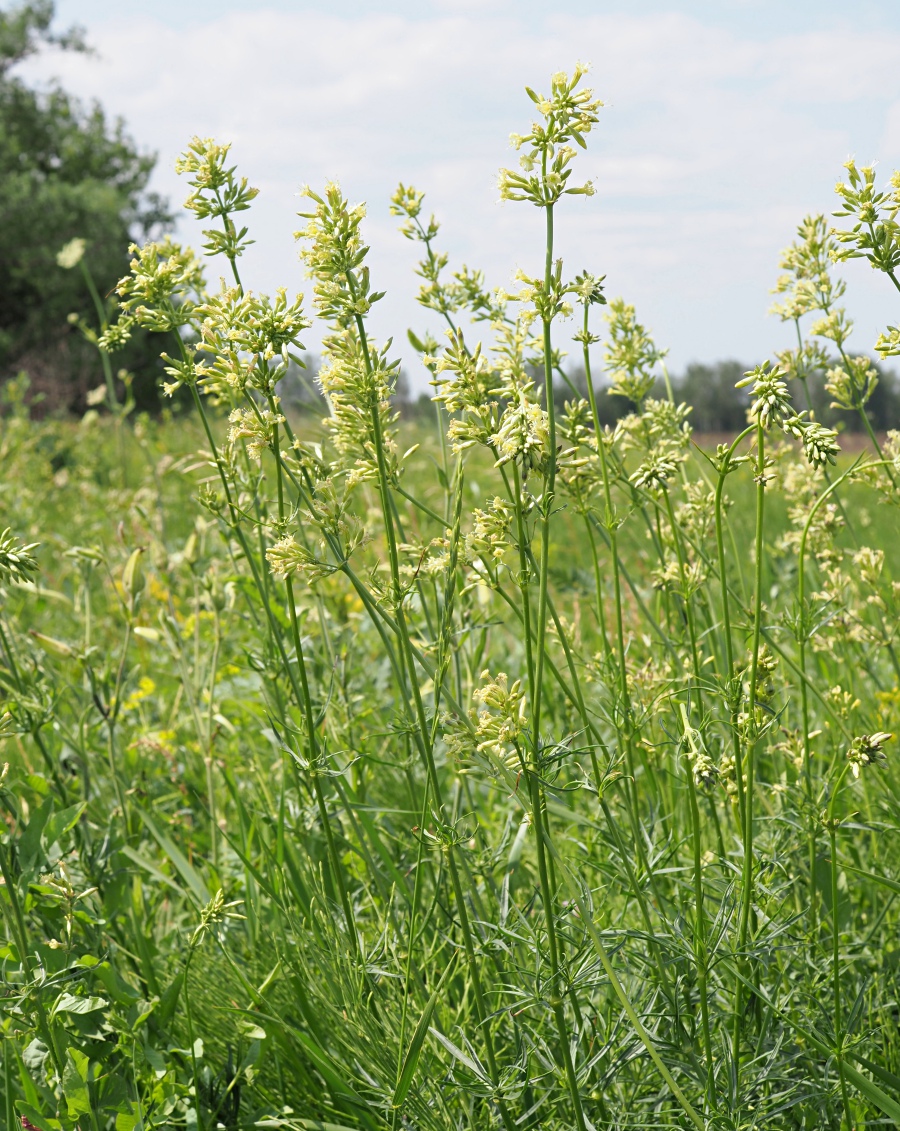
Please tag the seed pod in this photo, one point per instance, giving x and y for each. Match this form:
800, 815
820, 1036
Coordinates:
52, 646
192, 548
133, 577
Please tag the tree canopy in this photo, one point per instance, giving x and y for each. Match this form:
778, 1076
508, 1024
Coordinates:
66, 170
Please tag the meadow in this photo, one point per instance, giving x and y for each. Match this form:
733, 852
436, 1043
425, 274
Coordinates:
509, 770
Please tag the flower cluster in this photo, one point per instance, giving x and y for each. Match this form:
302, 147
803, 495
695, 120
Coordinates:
16, 560
335, 254
287, 558
500, 728
256, 427
867, 750
523, 436
807, 282
250, 338
216, 193
163, 286
568, 114
874, 233
490, 534
631, 356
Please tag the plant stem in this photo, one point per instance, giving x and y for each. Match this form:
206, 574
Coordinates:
747, 873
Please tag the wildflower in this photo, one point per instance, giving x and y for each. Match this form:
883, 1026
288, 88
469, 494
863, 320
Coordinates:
589, 290
256, 427
422, 562
569, 114
665, 423
820, 444
685, 581
888, 343
71, 254
434, 293
807, 282
772, 401
217, 193
161, 289
696, 514
287, 558
869, 562
873, 235
631, 355
866, 750
656, 470
16, 561
334, 255
464, 379
501, 726
214, 916
851, 384
834, 325
357, 392
843, 703
702, 766
766, 664
523, 435
117, 335
490, 536
249, 338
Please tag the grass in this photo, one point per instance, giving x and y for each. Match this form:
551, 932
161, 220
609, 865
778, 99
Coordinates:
541, 776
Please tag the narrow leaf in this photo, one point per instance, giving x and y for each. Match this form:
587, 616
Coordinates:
415, 1046
179, 861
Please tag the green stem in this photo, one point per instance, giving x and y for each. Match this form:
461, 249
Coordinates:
747, 873
839, 1034
425, 735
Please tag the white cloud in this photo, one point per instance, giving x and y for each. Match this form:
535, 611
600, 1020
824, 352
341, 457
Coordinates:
710, 150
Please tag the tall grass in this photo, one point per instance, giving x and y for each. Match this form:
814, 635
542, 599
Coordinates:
526, 773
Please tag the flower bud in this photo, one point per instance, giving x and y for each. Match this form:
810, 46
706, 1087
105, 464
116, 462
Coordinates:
133, 577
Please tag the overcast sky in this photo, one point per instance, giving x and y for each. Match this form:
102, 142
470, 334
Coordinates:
725, 123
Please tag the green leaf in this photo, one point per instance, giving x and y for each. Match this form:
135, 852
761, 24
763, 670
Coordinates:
169, 1000
71, 1003
156, 1060
891, 885
882, 1073
75, 1075
249, 1029
414, 1051
58, 824
456, 1051
180, 862
30, 840
34, 1056
306, 1124
149, 866
873, 1093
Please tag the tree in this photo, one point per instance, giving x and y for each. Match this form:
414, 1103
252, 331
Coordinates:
710, 390
65, 171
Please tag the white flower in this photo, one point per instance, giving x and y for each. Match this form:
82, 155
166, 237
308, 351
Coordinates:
71, 254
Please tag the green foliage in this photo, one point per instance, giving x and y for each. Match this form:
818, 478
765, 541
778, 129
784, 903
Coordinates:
65, 172
535, 772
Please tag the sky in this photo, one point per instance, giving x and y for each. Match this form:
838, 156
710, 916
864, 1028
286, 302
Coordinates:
725, 122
